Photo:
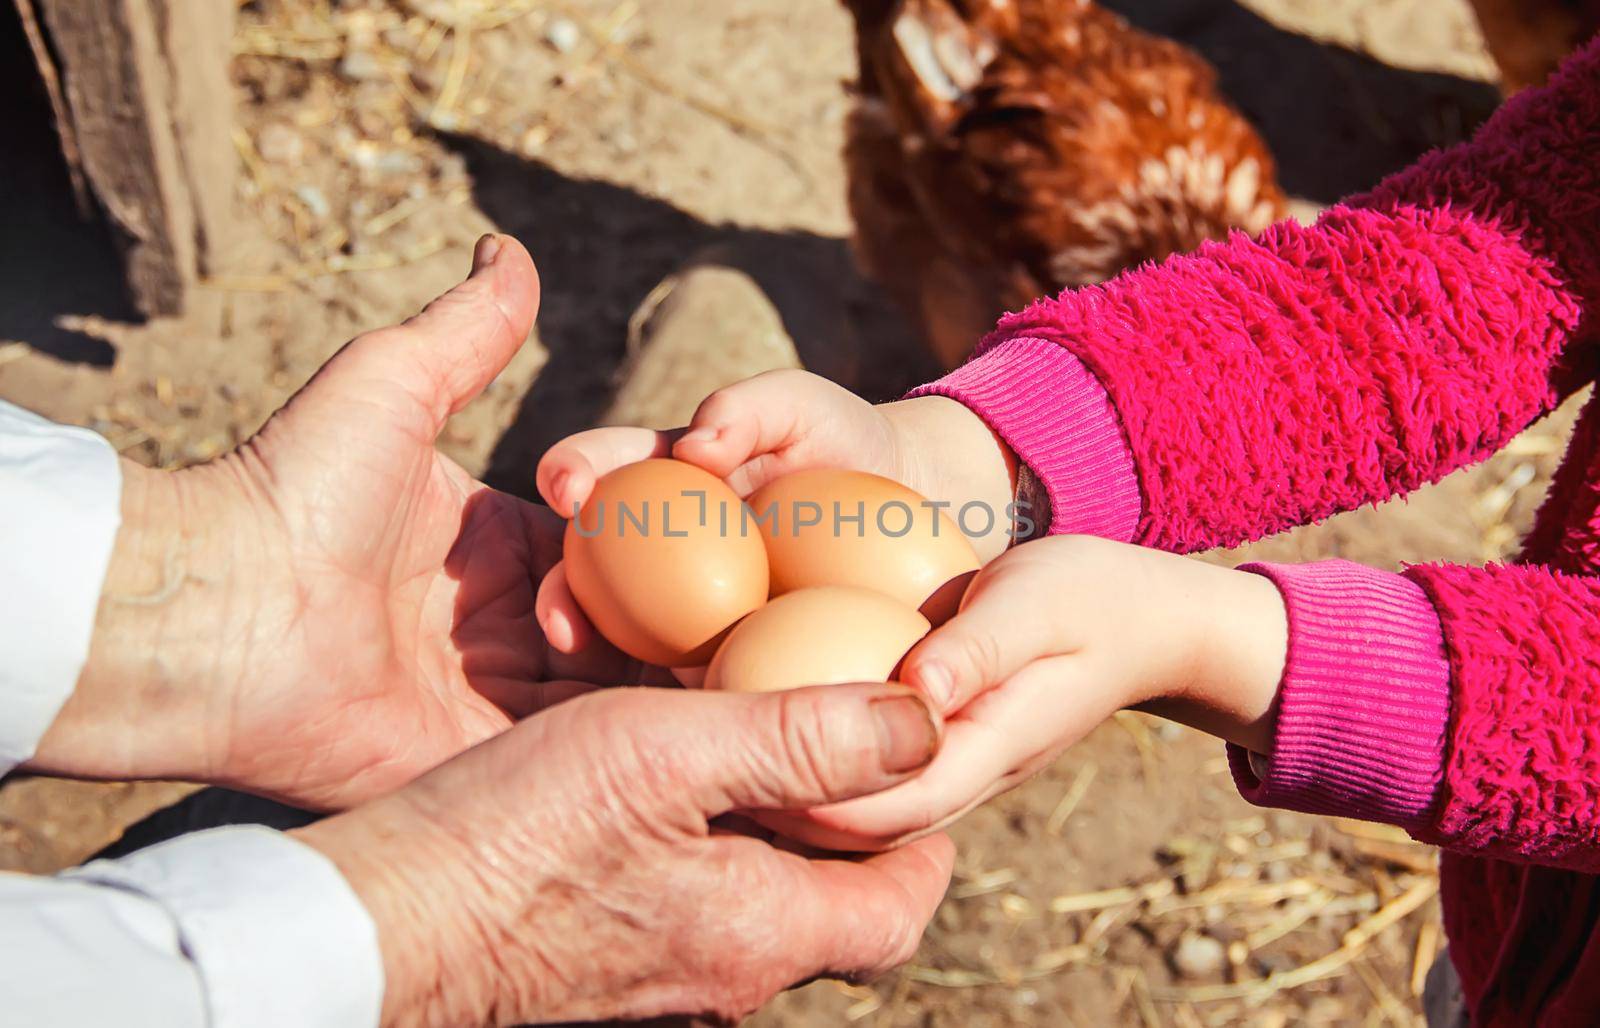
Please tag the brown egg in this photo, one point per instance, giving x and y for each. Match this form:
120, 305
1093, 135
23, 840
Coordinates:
829, 527
658, 562
827, 635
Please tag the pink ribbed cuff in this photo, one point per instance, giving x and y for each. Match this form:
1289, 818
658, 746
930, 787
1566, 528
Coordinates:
1365, 700
1055, 415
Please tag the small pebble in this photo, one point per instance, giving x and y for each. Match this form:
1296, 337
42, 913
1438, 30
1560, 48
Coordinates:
452, 166
361, 66
562, 34
397, 162
1198, 956
625, 142
444, 121
364, 154
280, 144
314, 199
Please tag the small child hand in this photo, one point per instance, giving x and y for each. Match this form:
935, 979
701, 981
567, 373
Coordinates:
776, 423
1052, 638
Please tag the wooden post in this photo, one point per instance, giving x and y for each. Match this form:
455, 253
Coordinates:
148, 117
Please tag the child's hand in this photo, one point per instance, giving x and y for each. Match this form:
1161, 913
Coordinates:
768, 426
1052, 638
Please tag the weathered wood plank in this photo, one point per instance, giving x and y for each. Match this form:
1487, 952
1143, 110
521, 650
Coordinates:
46, 63
146, 91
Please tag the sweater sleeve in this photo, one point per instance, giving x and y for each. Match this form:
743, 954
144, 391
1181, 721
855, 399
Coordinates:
1522, 760
1259, 384
1362, 711
1461, 704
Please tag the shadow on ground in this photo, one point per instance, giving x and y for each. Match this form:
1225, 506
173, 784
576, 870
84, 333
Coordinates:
601, 249
1337, 120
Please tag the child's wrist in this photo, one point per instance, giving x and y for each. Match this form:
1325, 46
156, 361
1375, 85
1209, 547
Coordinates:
1238, 648
950, 454
1255, 644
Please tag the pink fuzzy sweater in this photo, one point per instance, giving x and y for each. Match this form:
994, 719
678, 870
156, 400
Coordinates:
1260, 384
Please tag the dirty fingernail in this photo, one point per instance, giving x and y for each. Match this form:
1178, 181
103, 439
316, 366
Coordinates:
485, 252
907, 736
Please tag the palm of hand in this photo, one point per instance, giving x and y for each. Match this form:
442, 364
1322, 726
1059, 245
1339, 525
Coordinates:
401, 627
412, 593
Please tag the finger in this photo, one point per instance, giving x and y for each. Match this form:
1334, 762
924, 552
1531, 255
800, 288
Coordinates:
869, 916
947, 789
1048, 705
1003, 626
448, 353
740, 421
560, 618
576, 650
567, 472
788, 750
743, 433
690, 677
469, 335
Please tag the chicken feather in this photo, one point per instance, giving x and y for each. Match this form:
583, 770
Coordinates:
1004, 149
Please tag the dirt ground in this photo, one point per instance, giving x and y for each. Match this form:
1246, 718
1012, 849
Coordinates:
623, 141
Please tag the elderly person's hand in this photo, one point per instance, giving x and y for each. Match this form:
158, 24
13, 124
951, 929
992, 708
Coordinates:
335, 607
569, 869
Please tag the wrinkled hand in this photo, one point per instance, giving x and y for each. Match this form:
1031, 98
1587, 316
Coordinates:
1052, 638
336, 607
567, 869
769, 426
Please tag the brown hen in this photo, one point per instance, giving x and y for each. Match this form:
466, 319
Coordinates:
1002, 150
1528, 38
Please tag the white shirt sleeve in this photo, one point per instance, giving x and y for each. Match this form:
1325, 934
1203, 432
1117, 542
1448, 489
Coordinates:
237, 927
60, 506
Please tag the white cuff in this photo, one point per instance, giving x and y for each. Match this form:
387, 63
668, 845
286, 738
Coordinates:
277, 934
60, 506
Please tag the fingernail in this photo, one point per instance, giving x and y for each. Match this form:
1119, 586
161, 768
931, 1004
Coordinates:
907, 736
558, 633
703, 434
485, 252
935, 681
558, 491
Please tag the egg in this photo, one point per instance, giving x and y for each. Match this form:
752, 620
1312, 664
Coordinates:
659, 563
825, 635
830, 527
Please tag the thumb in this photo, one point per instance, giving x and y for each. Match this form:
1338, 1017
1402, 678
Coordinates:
446, 355
999, 631
806, 747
